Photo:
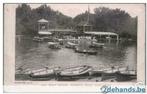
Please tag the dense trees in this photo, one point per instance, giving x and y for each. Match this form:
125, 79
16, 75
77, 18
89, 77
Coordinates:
111, 20
26, 19
103, 19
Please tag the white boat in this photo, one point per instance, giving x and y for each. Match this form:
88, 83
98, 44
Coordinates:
75, 71
43, 72
38, 39
97, 45
70, 45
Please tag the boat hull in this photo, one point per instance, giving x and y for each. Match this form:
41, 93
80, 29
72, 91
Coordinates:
125, 77
74, 73
41, 76
86, 52
71, 78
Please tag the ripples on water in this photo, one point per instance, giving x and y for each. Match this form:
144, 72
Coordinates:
34, 55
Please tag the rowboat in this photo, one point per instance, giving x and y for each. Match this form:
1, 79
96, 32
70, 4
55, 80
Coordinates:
97, 45
75, 71
54, 45
70, 45
126, 75
37, 39
90, 52
84, 47
120, 73
43, 72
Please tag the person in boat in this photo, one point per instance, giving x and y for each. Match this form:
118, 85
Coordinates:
46, 67
112, 68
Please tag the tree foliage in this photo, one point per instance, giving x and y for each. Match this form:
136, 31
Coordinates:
26, 19
103, 19
111, 20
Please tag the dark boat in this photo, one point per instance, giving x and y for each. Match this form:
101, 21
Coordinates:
126, 75
120, 73
75, 71
90, 52
84, 47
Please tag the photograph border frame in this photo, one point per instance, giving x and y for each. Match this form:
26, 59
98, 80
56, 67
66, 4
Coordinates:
66, 3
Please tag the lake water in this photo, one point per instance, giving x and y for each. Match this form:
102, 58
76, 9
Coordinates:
35, 55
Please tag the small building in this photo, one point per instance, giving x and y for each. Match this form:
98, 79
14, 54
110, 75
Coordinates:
43, 24
43, 27
84, 27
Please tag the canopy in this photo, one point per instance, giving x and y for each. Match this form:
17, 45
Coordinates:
44, 33
42, 21
101, 33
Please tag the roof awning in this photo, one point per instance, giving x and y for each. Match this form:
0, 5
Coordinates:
44, 33
43, 21
101, 33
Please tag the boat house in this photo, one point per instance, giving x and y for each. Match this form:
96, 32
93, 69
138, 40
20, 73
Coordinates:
84, 27
44, 29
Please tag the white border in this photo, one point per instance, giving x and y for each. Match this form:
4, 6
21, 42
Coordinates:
47, 1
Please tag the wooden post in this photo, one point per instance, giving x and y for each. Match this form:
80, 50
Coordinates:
38, 26
83, 28
109, 39
100, 37
117, 36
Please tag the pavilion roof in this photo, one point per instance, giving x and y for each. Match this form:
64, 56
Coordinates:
100, 33
44, 33
42, 21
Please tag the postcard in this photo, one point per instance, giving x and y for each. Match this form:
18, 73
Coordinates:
73, 47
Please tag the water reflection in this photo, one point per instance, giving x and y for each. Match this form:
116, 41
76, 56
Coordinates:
35, 55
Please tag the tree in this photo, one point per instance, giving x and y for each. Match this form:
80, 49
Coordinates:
26, 19
111, 20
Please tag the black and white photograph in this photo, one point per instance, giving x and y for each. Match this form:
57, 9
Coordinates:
76, 42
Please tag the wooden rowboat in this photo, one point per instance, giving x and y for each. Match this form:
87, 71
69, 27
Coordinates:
75, 71
54, 45
71, 45
43, 72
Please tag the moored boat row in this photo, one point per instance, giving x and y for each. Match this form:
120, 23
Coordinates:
82, 45
81, 71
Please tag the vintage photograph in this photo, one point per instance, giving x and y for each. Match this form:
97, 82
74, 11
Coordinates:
76, 42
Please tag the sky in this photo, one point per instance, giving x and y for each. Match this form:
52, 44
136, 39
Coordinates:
74, 9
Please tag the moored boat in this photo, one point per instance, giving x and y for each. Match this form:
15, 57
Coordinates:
75, 71
54, 45
126, 75
128, 72
71, 45
37, 39
43, 72
84, 47
97, 45
91, 52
